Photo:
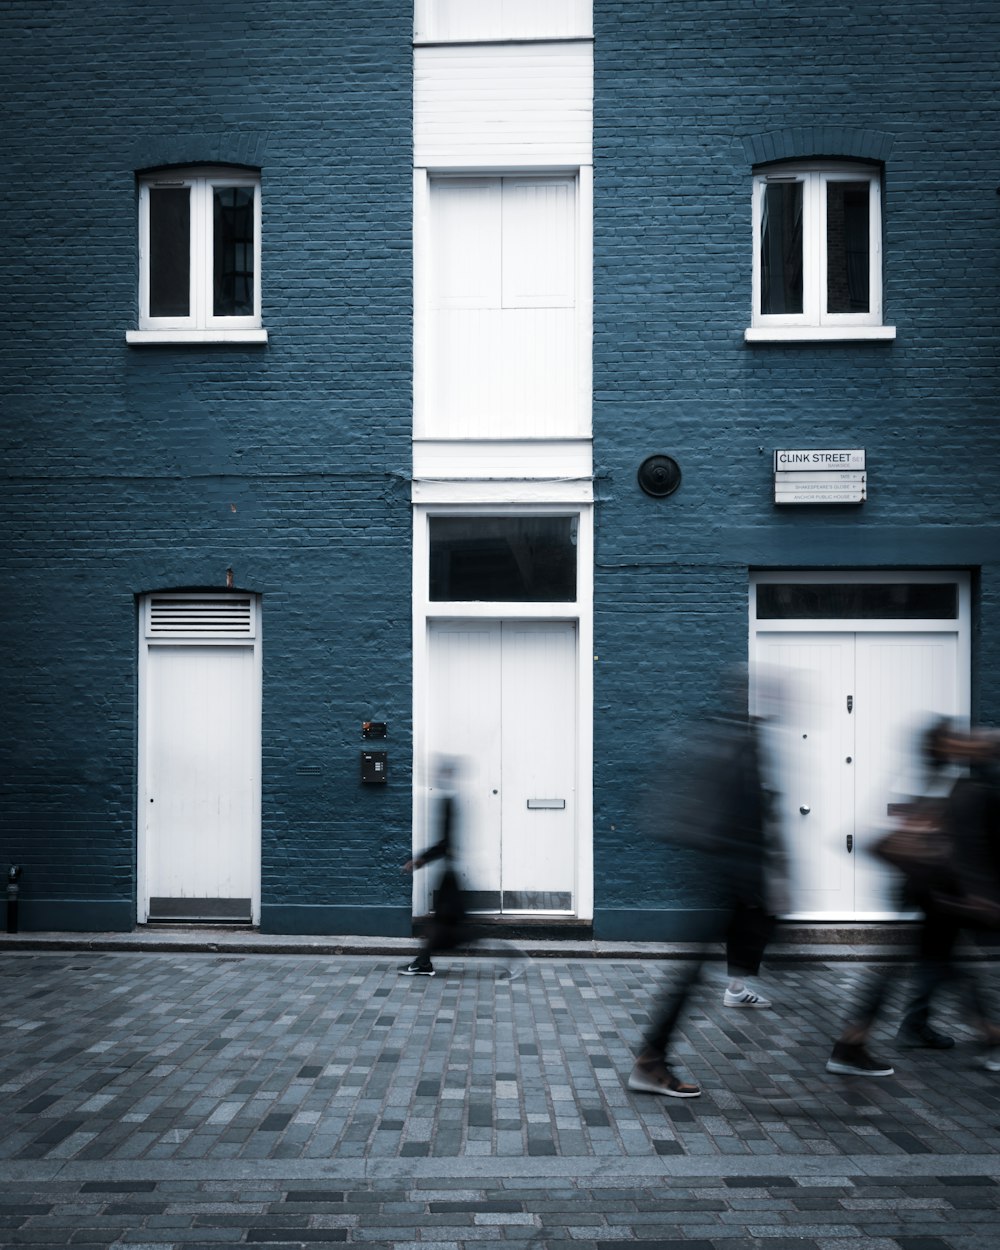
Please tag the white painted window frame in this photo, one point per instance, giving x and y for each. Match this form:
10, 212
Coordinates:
581, 612
148, 642
422, 177
201, 325
960, 625
814, 323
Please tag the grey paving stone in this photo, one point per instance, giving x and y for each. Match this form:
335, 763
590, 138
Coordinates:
342, 1105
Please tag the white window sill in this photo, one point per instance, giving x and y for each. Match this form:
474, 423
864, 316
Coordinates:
141, 338
819, 334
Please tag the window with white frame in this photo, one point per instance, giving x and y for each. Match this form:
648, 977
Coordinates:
199, 253
817, 267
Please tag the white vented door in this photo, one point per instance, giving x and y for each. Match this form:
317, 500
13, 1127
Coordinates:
847, 749
199, 833
502, 699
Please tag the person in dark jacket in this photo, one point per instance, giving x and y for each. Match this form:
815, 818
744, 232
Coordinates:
448, 926
724, 815
963, 894
971, 899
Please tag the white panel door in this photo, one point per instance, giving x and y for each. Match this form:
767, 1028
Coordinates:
502, 699
202, 784
902, 680
858, 698
817, 775
464, 725
539, 766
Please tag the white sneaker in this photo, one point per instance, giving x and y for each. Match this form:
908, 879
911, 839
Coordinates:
745, 998
990, 1059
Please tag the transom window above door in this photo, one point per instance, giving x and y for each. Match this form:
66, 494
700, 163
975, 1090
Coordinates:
805, 601
513, 559
199, 256
817, 263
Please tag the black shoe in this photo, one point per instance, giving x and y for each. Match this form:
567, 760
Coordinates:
852, 1059
417, 970
923, 1035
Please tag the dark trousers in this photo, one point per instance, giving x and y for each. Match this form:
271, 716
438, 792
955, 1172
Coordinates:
749, 932
745, 929
935, 967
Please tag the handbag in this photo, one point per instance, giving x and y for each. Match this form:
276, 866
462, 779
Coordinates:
918, 845
922, 846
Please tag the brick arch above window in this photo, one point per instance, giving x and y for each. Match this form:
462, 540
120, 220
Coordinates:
224, 147
798, 143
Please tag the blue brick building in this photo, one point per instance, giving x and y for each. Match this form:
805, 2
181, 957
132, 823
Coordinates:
371, 455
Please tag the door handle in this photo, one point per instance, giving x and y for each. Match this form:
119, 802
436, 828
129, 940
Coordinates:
805, 809
850, 843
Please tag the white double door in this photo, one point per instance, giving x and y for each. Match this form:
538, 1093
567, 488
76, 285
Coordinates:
200, 791
502, 701
847, 750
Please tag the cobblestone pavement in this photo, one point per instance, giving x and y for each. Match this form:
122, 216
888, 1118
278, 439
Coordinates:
169, 1099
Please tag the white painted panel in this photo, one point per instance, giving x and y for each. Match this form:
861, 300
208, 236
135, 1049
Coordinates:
466, 243
539, 243
525, 104
903, 680
502, 19
565, 459
463, 722
539, 758
202, 772
510, 371
815, 774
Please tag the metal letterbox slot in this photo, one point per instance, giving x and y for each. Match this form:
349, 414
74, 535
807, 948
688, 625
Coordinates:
552, 805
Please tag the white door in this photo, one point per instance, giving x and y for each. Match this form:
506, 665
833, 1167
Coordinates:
199, 752
858, 698
900, 677
502, 700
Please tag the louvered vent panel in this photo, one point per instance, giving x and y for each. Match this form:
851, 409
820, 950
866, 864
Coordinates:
205, 618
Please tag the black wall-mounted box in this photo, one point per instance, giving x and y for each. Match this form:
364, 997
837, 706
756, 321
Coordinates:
374, 768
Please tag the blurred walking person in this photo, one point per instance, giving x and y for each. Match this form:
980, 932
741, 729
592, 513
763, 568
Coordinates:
449, 926
947, 849
724, 813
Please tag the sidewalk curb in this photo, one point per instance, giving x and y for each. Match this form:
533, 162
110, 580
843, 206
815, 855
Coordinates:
249, 942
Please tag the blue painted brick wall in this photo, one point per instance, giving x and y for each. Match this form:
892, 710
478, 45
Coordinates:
687, 96
133, 469
128, 470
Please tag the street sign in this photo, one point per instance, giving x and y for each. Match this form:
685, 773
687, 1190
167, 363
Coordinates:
825, 476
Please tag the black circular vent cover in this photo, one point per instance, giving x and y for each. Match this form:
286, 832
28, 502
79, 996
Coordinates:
659, 476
